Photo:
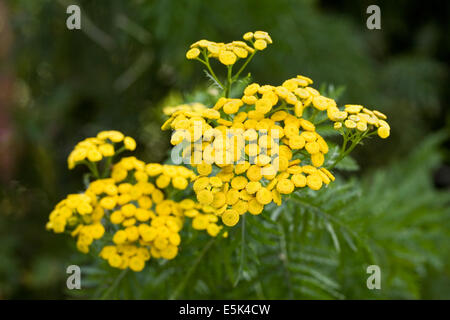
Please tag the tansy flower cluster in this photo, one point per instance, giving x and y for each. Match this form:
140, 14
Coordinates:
148, 218
95, 149
229, 53
147, 223
356, 117
135, 206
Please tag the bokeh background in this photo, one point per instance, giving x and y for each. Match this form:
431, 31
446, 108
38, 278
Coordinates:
59, 86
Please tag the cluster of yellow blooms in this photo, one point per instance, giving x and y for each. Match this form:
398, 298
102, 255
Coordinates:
360, 118
95, 149
134, 207
247, 153
229, 53
257, 143
147, 222
82, 214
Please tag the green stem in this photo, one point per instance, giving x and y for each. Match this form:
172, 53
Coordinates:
95, 170
345, 152
244, 65
342, 151
107, 165
344, 144
119, 151
207, 64
109, 161
342, 155
92, 167
314, 114
229, 82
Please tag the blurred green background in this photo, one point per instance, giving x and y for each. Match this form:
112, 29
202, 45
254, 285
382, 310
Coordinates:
59, 86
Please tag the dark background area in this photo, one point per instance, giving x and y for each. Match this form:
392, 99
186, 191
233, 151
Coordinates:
59, 86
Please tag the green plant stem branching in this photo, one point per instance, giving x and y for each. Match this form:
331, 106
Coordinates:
236, 76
